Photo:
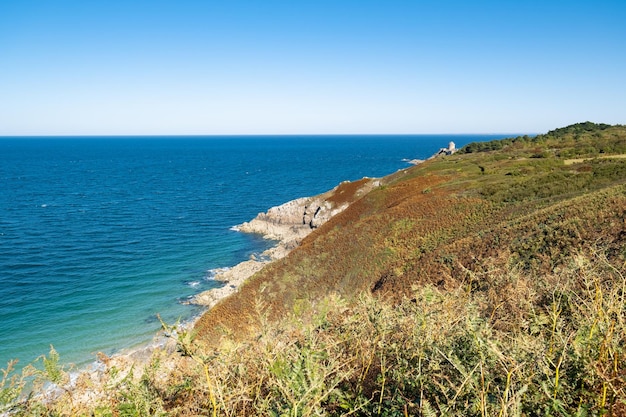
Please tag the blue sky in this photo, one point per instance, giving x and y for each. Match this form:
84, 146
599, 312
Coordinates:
312, 67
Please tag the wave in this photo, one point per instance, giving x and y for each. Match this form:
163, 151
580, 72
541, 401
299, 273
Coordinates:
212, 273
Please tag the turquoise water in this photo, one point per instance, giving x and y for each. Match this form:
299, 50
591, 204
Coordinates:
98, 235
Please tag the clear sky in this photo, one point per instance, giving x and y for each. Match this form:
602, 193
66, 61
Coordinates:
114, 67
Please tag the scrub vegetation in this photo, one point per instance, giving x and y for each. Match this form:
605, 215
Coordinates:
488, 282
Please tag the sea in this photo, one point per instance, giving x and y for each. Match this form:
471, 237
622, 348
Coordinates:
100, 235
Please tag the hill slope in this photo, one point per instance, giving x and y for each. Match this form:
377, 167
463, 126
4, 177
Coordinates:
525, 203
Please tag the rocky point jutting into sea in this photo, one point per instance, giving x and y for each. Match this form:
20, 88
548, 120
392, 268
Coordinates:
287, 224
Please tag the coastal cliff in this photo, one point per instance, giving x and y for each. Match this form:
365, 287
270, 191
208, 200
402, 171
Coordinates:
288, 224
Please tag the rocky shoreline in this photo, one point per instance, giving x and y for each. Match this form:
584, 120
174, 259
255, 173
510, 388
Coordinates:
287, 224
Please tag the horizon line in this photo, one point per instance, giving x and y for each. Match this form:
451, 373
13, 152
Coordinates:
257, 135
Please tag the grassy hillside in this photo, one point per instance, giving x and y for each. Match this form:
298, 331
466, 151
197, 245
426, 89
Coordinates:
525, 204
488, 282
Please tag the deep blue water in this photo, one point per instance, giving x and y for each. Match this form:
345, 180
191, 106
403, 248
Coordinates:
97, 235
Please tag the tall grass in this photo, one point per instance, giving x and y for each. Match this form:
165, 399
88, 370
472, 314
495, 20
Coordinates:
544, 345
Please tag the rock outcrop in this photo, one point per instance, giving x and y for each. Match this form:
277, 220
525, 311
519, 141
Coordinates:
289, 223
